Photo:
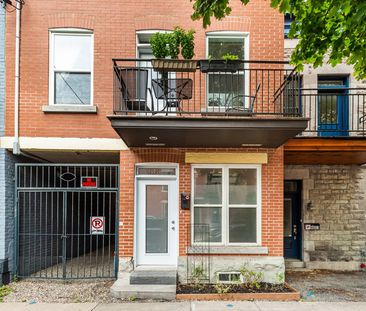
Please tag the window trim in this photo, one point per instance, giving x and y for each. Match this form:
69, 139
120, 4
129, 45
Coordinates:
231, 35
51, 71
140, 46
225, 203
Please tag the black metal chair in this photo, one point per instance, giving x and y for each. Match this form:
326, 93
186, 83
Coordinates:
134, 88
237, 103
172, 91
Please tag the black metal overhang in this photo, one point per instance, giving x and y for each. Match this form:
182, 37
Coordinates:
198, 132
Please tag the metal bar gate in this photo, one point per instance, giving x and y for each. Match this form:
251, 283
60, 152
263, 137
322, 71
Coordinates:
67, 221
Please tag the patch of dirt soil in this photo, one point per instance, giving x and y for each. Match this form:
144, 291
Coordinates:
233, 288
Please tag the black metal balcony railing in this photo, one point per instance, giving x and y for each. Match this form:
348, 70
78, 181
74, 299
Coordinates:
255, 88
333, 112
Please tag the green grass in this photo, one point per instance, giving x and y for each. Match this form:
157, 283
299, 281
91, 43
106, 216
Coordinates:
4, 291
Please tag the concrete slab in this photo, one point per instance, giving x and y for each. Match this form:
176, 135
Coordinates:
156, 277
141, 306
14, 306
122, 289
223, 306
310, 306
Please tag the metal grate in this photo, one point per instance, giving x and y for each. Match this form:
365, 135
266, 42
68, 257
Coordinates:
198, 253
55, 212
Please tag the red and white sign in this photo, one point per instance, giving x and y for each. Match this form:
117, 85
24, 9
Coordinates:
97, 225
89, 182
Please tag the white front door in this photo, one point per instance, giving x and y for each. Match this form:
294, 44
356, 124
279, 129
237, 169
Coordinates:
157, 222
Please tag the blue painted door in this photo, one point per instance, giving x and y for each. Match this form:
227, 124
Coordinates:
333, 109
292, 220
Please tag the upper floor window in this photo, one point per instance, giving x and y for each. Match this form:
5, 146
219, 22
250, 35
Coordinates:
223, 89
71, 67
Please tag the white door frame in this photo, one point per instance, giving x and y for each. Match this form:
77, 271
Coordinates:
174, 205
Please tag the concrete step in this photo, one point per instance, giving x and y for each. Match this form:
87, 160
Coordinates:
153, 277
123, 289
294, 264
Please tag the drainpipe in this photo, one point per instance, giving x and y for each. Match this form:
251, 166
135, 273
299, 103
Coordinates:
16, 147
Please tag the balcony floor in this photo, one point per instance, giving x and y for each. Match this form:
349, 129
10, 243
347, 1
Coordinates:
205, 132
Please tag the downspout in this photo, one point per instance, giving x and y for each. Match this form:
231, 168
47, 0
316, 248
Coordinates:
16, 147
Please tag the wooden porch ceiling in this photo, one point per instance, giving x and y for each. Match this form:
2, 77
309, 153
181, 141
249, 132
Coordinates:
329, 151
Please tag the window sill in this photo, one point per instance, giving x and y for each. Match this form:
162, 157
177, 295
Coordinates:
232, 250
69, 109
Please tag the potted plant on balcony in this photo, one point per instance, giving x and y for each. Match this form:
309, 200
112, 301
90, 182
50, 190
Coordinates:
165, 45
228, 63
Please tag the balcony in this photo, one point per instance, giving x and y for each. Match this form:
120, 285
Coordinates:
336, 130
213, 104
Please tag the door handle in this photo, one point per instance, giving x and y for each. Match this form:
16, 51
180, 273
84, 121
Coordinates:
295, 231
173, 222
173, 228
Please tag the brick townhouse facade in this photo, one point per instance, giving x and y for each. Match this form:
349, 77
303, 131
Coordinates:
124, 168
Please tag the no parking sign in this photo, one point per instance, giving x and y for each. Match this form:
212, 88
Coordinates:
97, 225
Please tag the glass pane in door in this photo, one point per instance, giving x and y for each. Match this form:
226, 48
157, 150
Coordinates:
287, 219
156, 219
328, 109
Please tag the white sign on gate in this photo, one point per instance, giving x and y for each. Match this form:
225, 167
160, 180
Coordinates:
97, 224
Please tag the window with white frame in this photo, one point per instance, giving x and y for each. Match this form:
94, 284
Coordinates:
224, 88
71, 67
227, 199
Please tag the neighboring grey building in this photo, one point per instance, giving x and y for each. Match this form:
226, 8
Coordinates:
330, 195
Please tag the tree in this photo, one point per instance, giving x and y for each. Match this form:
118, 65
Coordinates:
336, 28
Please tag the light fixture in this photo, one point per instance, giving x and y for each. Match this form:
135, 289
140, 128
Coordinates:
155, 144
251, 145
310, 205
153, 138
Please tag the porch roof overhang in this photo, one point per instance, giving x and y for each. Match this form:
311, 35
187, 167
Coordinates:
200, 132
325, 150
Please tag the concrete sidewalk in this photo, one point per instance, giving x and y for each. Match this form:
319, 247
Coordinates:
190, 306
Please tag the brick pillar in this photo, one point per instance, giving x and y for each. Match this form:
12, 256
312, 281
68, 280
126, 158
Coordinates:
126, 210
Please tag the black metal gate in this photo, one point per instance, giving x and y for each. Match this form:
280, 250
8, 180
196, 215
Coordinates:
67, 221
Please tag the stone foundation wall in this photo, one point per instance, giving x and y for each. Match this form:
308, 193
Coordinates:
272, 267
338, 198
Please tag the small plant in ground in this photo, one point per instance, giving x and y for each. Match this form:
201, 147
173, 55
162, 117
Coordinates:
222, 288
280, 278
197, 276
132, 298
15, 278
4, 291
251, 278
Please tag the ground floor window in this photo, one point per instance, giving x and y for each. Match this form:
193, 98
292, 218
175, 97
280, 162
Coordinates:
227, 199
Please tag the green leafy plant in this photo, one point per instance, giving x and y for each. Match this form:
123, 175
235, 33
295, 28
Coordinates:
229, 56
328, 30
132, 298
4, 291
187, 42
173, 40
251, 278
158, 42
280, 277
173, 43
222, 288
197, 276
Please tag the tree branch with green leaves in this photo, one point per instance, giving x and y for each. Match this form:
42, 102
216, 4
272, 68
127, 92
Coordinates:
329, 31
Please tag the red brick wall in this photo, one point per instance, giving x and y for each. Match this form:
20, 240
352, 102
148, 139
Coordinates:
114, 24
272, 194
